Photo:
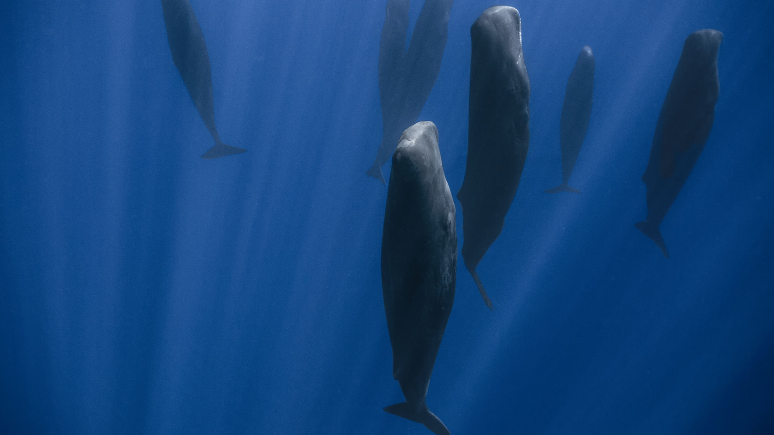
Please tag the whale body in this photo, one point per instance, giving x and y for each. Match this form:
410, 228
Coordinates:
189, 53
406, 77
419, 263
498, 133
683, 128
576, 112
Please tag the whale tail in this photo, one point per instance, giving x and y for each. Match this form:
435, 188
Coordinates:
222, 150
651, 230
375, 171
420, 415
487, 301
564, 187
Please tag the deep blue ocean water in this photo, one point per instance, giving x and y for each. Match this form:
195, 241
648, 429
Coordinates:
144, 290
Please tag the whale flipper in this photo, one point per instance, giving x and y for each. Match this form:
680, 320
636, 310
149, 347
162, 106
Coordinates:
564, 187
480, 285
422, 415
222, 150
375, 171
652, 231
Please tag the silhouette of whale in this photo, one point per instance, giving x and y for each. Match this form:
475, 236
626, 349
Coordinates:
189, 53
683, 128
406, 79
576, 112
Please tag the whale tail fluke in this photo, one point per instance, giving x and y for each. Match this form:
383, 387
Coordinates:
487, 301
420, 415
651, 230
222, 150
376, 172
564, 187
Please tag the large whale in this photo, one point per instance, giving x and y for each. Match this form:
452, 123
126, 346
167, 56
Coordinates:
498, 133
189, 53
419, 263
576, 112
683, 128
406, 77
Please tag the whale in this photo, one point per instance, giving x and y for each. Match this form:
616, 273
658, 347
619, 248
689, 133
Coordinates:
576, 112
498, 132
189, 54
419, 263
682, 129
406, 76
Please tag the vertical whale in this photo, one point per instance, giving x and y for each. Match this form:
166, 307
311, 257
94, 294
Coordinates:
419, 263
498, 133
683, 128
576, 112
406, 77
189, 53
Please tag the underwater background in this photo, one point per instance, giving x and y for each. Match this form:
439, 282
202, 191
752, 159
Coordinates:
144, 290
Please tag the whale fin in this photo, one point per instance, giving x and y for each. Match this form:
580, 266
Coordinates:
487, 301
222, 150
423, 416
376, 172
651, 230
564, 187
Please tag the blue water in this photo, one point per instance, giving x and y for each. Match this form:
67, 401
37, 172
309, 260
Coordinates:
144, 290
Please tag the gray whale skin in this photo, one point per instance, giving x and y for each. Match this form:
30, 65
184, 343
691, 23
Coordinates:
189, 53
419, 263
576, 112
498, 133
683, 128
405, 80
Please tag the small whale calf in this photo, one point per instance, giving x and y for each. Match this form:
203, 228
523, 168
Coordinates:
189, 53
419, 263
683, 128
406, 77
576, 112
498, 133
